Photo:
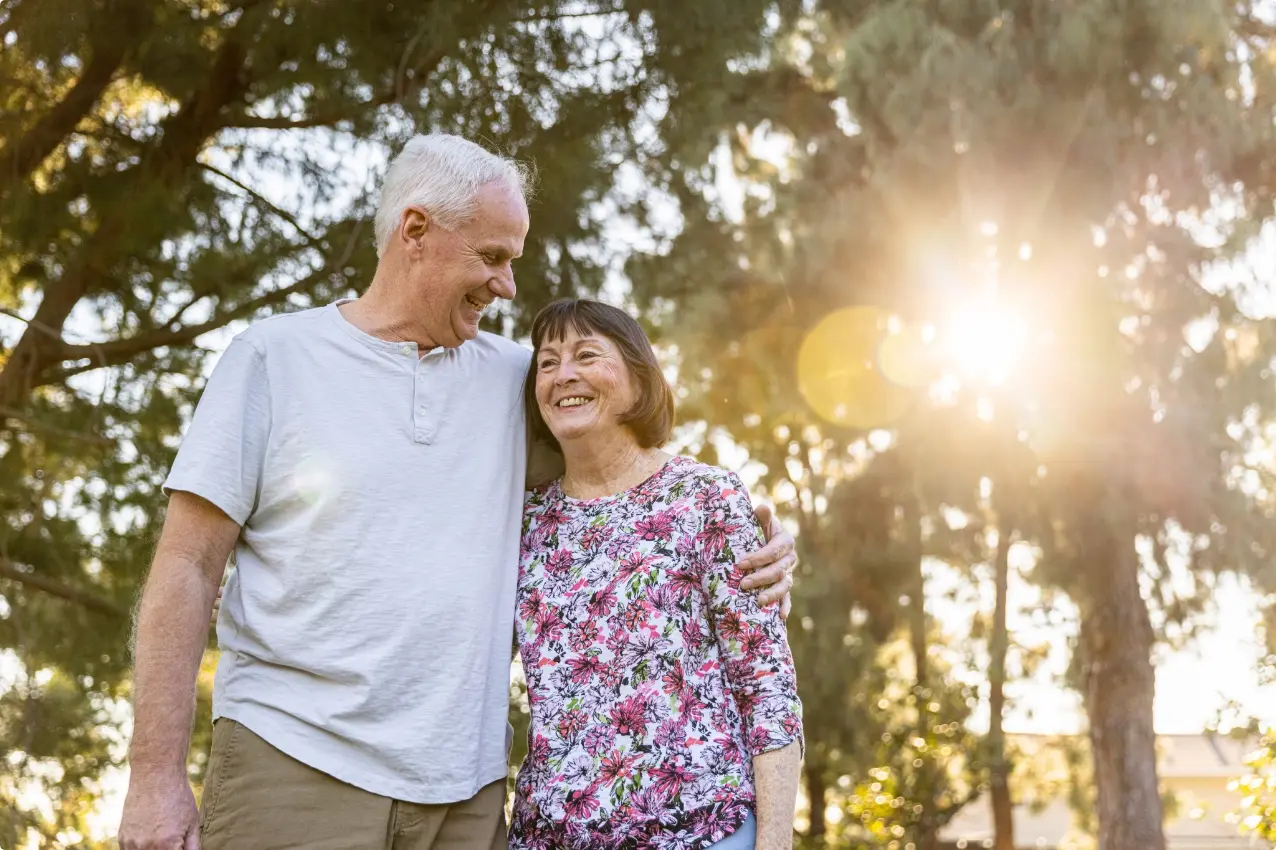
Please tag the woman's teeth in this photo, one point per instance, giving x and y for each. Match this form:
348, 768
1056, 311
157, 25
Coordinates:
574, 401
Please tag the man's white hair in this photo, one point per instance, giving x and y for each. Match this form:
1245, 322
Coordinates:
442, 174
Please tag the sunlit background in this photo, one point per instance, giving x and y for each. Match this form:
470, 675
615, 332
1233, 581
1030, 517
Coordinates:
916, 272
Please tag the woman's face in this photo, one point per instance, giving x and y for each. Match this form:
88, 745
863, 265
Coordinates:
583, 387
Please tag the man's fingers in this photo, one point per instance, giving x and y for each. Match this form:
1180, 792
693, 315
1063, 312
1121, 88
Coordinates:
768, 572
774, 552
765, 519
760, 578
172, 842
777, 591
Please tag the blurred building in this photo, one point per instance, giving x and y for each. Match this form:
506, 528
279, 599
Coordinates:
1195, 771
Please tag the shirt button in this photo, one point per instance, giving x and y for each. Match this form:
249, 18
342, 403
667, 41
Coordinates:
409, 349
420, 411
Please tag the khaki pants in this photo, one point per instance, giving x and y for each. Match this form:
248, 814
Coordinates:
256, 798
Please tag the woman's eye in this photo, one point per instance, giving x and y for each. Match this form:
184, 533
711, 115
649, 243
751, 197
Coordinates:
587, 355
548, 364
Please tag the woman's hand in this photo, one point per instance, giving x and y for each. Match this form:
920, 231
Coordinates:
771, 567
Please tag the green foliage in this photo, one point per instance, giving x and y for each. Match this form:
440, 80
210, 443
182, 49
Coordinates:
171, 169
919, 762
1257, 814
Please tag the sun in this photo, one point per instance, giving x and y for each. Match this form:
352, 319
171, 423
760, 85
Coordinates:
981, 343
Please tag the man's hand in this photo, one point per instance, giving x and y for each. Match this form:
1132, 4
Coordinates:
771, 567
159, 814
172, 630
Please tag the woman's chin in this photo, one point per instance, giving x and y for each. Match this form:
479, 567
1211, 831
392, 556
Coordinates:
568, 435
567, 432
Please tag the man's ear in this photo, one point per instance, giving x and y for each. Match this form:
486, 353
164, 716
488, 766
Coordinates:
413, 225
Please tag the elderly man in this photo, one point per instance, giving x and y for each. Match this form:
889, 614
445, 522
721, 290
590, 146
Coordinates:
365, 462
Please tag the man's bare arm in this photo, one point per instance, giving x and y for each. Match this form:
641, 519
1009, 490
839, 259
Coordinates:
170, 634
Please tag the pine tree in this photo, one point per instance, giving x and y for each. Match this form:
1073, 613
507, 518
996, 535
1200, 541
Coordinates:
171, 169
1099, 168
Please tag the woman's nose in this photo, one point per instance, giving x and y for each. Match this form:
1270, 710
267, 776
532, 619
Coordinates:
566, 372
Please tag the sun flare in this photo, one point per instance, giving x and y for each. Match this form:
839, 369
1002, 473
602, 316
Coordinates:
982, 343
863, 367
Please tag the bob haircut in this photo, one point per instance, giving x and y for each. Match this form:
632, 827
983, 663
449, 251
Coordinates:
651, 418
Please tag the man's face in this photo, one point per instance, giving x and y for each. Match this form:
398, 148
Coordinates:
456, 274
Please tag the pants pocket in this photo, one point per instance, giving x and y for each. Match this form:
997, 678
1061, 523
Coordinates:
225, 734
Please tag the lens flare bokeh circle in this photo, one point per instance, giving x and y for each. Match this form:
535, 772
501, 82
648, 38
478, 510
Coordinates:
839, 375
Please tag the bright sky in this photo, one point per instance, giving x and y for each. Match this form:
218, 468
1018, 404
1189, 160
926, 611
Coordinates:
1193, 685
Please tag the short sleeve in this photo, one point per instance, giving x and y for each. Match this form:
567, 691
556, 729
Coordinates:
224, 450
752, 639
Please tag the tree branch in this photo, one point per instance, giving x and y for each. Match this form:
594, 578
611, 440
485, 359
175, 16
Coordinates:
122, 350
110, 47
325, 119
397, 94
37, 425
615, 9
22, 156
83, 598
257, 196
183, 136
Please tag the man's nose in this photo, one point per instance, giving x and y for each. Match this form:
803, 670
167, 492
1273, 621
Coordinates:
502, 283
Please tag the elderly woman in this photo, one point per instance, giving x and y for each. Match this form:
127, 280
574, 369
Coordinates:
664, 707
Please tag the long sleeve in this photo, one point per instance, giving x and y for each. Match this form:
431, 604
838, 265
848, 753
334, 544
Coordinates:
751, 639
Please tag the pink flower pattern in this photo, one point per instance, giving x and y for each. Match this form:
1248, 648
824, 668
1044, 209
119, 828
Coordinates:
653, 679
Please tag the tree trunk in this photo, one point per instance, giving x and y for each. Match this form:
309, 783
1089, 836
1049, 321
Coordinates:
1116, 638
928, 824
999, 645
817, 793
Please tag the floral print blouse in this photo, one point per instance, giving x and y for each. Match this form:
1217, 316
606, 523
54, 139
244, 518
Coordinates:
653, 679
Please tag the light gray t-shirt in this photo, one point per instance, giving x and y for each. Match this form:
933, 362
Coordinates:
366, 630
